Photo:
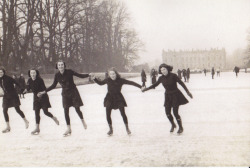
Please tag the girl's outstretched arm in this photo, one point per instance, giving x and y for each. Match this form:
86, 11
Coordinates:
128, 82
80, 75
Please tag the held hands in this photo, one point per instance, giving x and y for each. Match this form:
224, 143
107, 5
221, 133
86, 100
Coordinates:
40, 94
143, 89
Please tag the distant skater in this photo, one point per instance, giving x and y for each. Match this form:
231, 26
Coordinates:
36, 84
114, 98
70, 94
21, 82
236, 70
153, 75
10, 98
179, 73
205, 71
143, 78
218, 72
212, 72
173, 96
184, 74
188, 74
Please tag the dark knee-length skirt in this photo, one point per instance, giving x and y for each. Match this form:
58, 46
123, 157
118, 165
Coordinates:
41, 103
71, 98
11, 101
114, 101
174, 99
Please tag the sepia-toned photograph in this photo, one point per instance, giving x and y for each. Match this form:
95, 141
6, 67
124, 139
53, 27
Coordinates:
125, 83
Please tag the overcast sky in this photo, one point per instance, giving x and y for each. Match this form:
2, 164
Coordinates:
187, 24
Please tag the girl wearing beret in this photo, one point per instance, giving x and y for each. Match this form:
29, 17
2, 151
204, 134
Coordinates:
173, 96
70, 94
10, 98
114, 98
36, 84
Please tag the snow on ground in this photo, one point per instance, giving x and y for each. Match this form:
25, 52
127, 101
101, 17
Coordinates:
216, 129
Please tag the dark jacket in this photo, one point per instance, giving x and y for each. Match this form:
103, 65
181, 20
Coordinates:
70, 94
173, 96
10, 98
37, 86
114, 98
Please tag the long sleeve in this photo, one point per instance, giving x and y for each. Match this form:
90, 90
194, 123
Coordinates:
80, 75
43, 85
181, 83
155, 84
127, 82
103, 82
53, 85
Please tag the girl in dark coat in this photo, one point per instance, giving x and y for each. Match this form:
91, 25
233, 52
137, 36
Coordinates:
10, 98
70, 94
173, 96
143, 78
114, 98
36, 84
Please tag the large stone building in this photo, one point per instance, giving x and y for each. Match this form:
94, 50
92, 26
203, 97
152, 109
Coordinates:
195, 59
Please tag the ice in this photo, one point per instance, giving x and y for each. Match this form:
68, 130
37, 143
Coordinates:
216, 128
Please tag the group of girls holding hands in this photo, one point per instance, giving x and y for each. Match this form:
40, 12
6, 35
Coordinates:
71, 97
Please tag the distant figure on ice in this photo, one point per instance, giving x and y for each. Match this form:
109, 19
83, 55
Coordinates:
236, 70
153, 76
184, 74
143, 78
114, 98
179, 73
21, 82
173, 96
70, 94
188, 74
205, 71
212, 72
10, 98
218, 72
17, 81
36, 84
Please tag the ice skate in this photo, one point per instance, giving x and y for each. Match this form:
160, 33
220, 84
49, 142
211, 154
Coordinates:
68, 132
128, 130
36, 131
26, 123
56, 121
180, 126
110, 130
84, 124
173, 127
6, 130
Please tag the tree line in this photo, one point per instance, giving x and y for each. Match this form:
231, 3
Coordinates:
90, 35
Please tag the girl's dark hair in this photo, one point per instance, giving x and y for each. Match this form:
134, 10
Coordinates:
113, 69
3, 69
37, 72
168, 67
60, 61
